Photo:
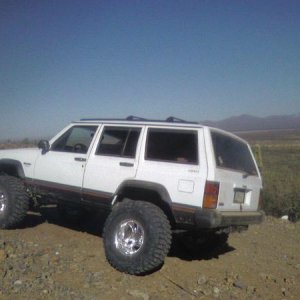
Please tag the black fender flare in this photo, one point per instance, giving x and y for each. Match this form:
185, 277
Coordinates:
145, 185
140, 189
7, 165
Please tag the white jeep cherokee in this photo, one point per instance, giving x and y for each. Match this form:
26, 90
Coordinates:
153, 176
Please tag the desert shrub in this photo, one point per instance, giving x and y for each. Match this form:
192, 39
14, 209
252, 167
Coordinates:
280, 197
278, 156
281, 179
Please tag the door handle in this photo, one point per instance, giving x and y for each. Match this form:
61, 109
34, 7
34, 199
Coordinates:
126, 164
80, 159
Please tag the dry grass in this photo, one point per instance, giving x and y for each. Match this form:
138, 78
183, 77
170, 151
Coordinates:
280, 152
18, 144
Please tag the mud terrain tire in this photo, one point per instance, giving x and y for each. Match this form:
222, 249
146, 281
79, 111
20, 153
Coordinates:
137, 237
14, 201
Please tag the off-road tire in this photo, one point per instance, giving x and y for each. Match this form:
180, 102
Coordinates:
156, 239
14, 201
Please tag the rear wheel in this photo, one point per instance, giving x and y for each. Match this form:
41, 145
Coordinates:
14, 201
137, 237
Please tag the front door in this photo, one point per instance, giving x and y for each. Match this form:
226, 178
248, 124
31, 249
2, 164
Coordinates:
60, 171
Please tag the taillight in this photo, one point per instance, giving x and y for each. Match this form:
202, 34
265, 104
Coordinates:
211, 193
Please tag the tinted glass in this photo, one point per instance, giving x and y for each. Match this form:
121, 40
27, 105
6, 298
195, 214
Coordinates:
232, 154
179, 146
119, 141
77, 139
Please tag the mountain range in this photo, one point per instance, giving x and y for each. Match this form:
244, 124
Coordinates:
249, 123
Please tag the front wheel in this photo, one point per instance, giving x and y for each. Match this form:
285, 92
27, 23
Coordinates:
137, 237
14, 201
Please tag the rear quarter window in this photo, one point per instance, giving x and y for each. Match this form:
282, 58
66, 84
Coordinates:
231, 153
176, 146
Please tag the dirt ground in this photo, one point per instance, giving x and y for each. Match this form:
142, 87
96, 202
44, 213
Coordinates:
49, 259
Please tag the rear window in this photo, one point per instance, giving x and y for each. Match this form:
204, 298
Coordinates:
177, 146
232, 154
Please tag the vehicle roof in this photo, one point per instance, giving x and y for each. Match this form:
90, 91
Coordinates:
170, 122
173, 121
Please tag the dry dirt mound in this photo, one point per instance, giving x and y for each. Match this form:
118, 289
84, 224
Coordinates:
55, 261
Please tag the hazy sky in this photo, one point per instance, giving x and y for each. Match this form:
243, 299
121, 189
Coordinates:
65, 60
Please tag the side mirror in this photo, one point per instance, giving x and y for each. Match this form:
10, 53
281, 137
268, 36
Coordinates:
44, 145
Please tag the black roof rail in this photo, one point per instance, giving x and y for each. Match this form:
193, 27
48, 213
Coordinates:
135, 118
178, 120
170, 119
99, 119
129, 118
174, 119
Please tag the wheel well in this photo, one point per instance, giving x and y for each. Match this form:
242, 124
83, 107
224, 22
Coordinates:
147, 195
11, 169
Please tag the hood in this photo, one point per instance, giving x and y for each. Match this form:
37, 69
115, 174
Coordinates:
22, 155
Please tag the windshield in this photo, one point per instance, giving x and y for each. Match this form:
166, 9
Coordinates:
232, 154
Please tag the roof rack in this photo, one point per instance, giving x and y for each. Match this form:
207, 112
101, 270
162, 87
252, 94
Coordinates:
135, 118
177, 120
101, 119
174, 119
170, 119
129, 118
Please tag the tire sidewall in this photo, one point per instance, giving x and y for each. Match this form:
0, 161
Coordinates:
116, 219
150, 238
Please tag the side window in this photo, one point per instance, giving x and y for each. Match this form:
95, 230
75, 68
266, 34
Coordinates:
177, 146
76, 140
119, 141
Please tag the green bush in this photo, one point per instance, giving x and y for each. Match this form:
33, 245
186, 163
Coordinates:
281, 179
277, 154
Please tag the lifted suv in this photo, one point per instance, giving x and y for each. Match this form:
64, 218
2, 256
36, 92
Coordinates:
153, 176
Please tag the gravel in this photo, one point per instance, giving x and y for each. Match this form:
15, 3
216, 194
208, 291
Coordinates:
47, 260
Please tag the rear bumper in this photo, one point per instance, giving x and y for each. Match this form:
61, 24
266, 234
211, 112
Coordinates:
215, 219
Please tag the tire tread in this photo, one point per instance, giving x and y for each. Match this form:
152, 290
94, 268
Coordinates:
158, 252
18, 201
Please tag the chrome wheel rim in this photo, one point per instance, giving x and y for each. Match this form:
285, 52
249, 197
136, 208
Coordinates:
3, 202
129, 237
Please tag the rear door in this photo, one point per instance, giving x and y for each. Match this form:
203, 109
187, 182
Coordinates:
175, 158
113, 159
236, 170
